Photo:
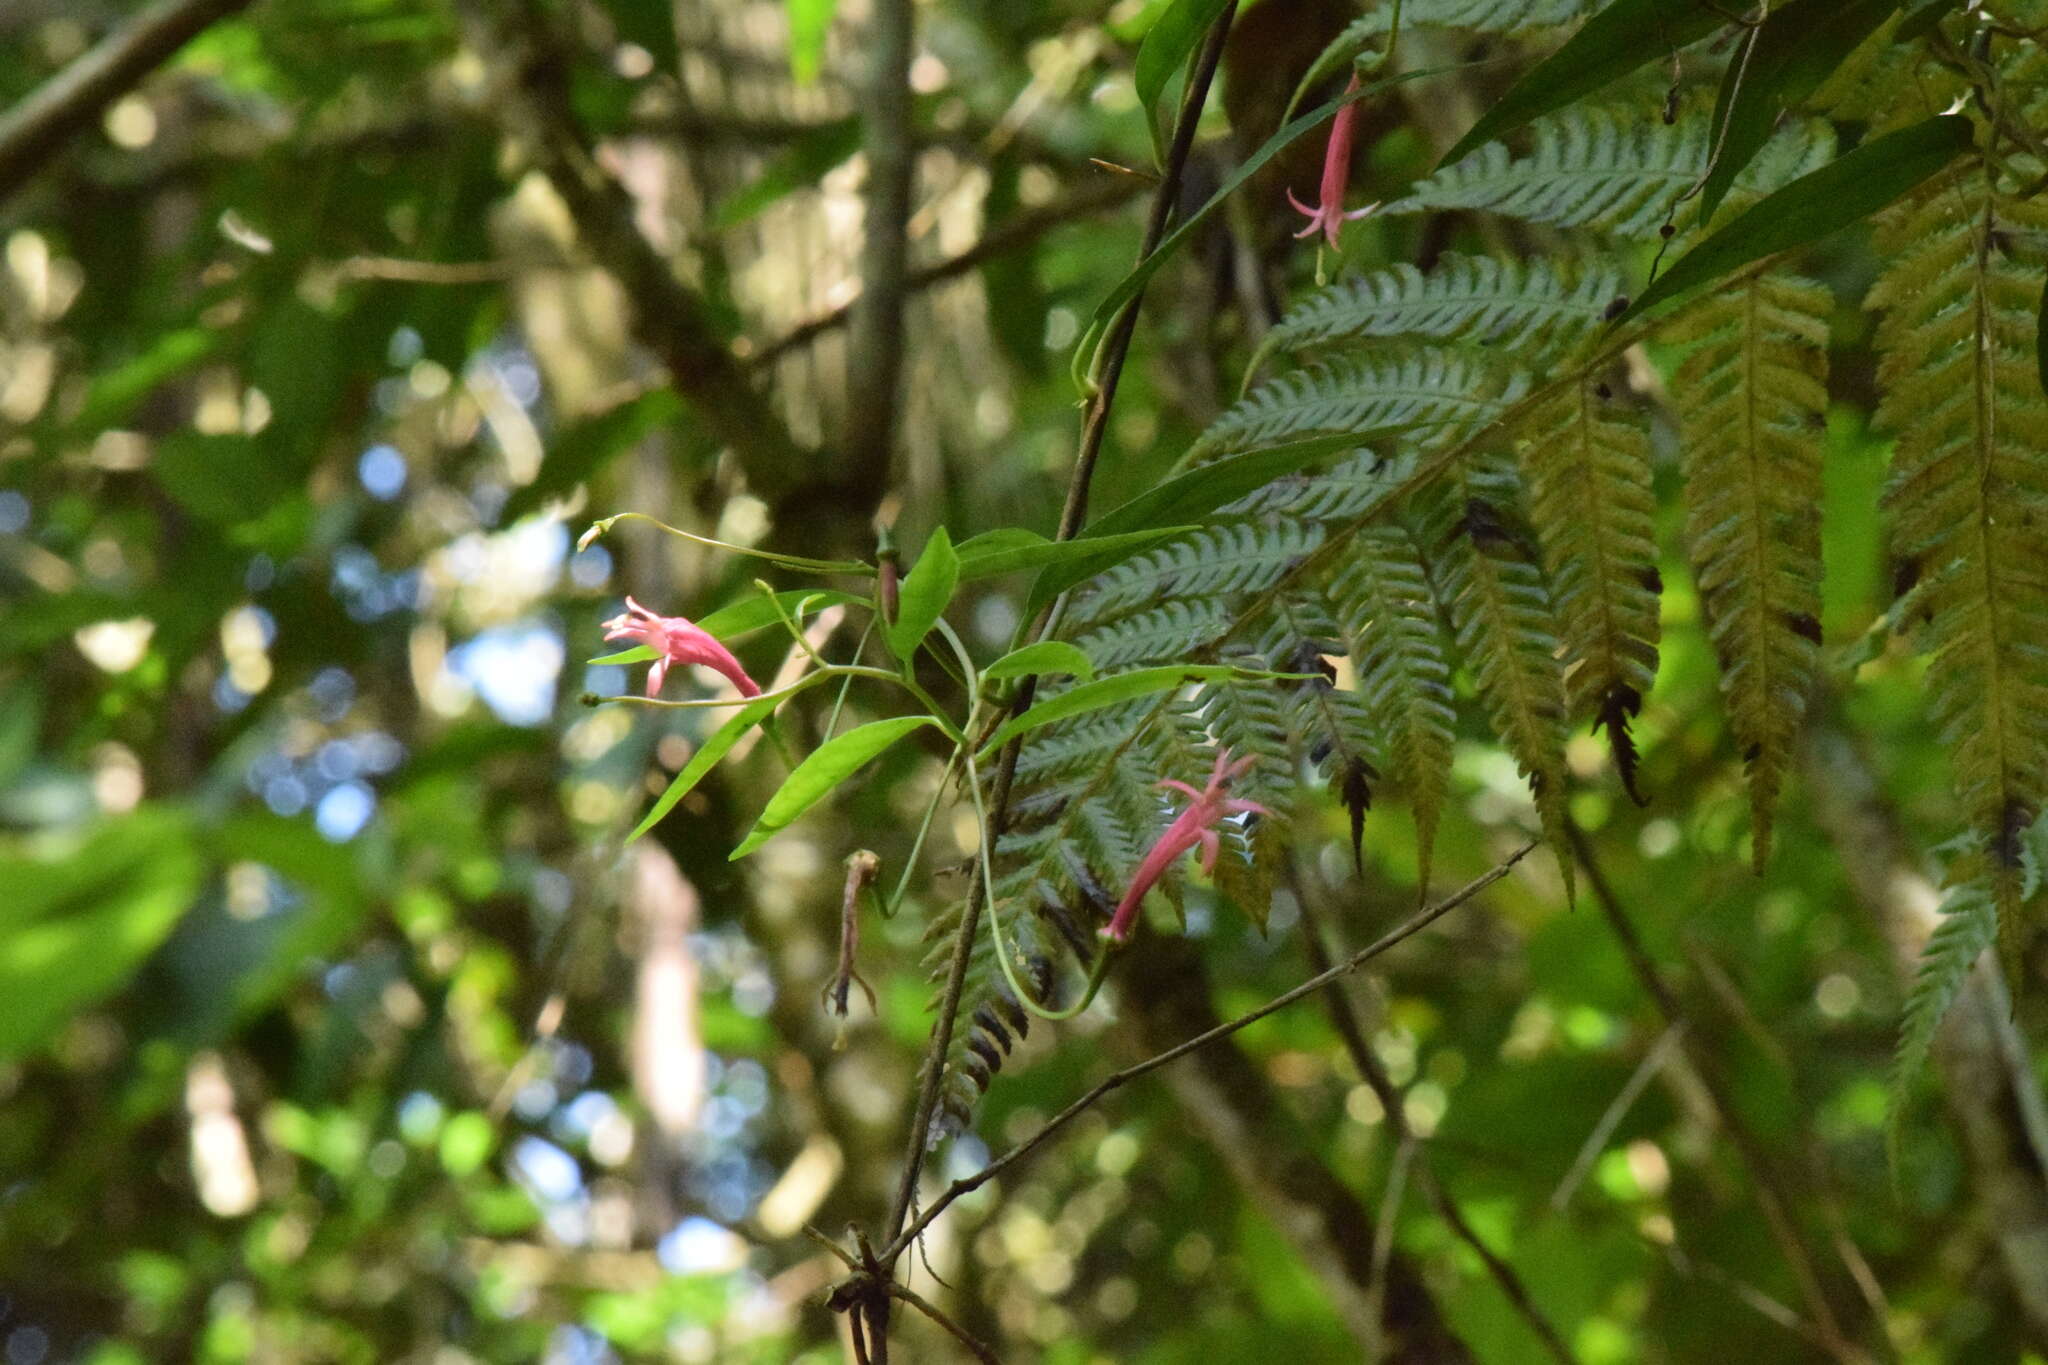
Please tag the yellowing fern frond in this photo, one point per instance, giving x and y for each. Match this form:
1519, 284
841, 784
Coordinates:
1588, 471
1382, 597
1489, 578
1751, 398
1969, 492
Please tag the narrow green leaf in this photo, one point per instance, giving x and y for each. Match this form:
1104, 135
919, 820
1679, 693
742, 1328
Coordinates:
1103, 692
1794, 50
1047, 656
638, 654
1166, 49
1611, 44
1845, 191
1190, 498
752, 613
1012, 548
1128, 288
927, 589
75, 926
703, 761
821, 771
810, 21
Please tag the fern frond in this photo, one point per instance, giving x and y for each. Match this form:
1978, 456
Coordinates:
1382, 595
1439, 392
1969, 925
1476, 299
1611, 170
1490, 583
1969, 490
1865, 87
1163, 633
1206, 563
1588, 473
1752, 397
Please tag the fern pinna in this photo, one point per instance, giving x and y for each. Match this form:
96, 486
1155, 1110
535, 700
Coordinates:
1495, 532
1969, 493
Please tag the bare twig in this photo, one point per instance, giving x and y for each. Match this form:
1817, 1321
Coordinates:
960, 1334
874, 358
1352, 1034
70, 101
1596, 1140
1772, 1196
401, 271
1406, 930
1192, 100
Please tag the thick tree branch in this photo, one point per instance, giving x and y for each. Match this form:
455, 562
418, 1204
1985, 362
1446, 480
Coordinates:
669, 319
874, 357
1987, 1077
73, 99
1193, 97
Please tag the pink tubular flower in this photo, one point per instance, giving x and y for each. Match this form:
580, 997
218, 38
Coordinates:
1329, 216
1195, 825
678, 641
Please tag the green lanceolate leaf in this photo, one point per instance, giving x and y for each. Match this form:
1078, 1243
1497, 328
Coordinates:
1790, 55
1165, 50
752, 613
1613, 43
1012, 548
823, 770
703, 761
1047, 656
1103, 692
1845, 191
926, 590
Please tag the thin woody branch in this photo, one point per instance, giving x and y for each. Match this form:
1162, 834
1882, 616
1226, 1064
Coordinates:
874, 357
73, 99
1345, 1020
1400, 934
1116, 346
1773, 1196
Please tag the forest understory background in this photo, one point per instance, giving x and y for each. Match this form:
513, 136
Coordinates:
1584, 587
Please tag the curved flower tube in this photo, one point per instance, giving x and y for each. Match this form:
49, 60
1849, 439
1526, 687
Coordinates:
678, 641
1329, 217
1193, 826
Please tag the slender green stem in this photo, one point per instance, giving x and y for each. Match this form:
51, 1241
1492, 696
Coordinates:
845, 566
917, 845
839, 702
808, 681
995, 921
796, 632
